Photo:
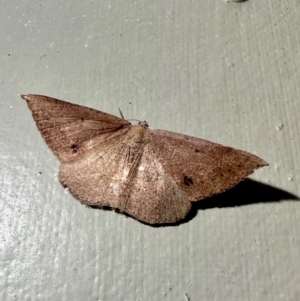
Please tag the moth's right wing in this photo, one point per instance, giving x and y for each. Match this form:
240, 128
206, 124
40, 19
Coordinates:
199, 167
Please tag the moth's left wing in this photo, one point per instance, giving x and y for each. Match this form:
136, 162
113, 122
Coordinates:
66, 127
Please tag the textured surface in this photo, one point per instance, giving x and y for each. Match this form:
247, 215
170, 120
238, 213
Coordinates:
152, 175
224, 72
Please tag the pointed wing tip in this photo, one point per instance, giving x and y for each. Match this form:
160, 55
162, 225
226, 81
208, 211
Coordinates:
262, 163
32, 97
26, 97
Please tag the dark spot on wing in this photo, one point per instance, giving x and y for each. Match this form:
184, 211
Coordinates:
188, 181
74, 148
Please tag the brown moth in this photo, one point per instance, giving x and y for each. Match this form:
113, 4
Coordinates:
153, 175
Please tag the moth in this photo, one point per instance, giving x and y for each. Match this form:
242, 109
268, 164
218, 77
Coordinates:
152, 175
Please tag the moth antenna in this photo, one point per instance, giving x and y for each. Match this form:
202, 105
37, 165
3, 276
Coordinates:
121, 113
124, 117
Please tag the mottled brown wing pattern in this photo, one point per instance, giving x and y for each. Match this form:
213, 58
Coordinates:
66, 126
100, 176
122, 174
155, 197
152, 175
199, 167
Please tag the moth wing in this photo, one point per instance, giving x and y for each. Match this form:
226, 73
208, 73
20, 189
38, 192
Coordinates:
67, 127
100, 175
199, 167
113, 174
155, 197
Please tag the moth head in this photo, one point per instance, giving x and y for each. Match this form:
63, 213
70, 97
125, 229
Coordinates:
144, 124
